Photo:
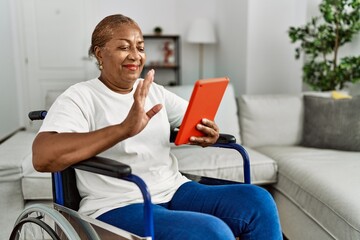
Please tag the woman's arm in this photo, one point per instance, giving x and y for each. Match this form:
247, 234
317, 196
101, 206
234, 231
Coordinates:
54, 151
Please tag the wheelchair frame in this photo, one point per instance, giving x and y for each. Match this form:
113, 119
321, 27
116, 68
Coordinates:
66, 203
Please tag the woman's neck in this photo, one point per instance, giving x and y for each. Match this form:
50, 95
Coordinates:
124, 89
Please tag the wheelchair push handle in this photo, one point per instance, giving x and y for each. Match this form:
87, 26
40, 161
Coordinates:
37, 115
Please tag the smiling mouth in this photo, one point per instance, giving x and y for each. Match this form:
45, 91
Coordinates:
132, 67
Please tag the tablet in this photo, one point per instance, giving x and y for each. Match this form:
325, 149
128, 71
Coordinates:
204, 103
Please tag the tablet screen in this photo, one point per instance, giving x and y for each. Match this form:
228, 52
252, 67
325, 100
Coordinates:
204, 103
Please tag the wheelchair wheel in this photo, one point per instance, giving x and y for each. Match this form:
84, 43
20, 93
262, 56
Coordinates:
42, 222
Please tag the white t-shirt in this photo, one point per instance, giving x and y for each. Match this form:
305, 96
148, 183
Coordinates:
90, 105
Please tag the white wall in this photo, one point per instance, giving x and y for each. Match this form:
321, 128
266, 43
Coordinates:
232, 54
272, 67
10, 97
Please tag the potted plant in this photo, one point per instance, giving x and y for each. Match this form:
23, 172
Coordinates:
320, 40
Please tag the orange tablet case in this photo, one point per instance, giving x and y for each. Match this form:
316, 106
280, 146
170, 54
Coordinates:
204, 103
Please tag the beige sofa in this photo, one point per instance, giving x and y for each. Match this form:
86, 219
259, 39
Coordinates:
316, 190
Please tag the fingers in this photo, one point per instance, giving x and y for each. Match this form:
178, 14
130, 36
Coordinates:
149, 78
208, 127
143, 87
154, 110
141, 93
210, 130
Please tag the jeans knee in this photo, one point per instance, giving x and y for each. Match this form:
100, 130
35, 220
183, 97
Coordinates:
216, 229
264, 201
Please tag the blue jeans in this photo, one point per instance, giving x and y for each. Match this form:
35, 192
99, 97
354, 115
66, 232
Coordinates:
206, 212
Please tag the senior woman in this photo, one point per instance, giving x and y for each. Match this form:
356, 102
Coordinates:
121, 116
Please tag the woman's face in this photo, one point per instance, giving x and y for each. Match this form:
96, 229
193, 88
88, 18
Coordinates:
122, 58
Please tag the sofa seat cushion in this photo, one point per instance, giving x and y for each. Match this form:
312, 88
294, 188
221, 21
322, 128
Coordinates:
224, 163
12, 153
323, 183
16, 165
35, 185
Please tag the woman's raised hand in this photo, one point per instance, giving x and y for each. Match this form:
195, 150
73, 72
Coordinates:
137, 118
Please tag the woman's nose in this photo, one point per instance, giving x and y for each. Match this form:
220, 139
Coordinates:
135, 54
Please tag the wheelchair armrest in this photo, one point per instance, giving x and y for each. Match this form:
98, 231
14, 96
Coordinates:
104, 166
228, 141
112, 168
223, 138
226, 138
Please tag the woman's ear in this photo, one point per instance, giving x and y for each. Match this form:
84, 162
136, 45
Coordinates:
98, 53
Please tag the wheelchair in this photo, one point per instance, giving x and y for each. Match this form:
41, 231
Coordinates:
62, 221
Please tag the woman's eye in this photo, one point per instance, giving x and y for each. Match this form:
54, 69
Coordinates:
141, 49
124, 48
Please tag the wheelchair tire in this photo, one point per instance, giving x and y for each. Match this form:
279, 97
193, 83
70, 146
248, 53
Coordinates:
42, 222
46, 230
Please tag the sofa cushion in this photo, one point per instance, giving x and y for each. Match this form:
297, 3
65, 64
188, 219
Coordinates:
322, 183
35, 185
12, 153
227, 115
16, 162
225, 163
270, 119
331, 124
